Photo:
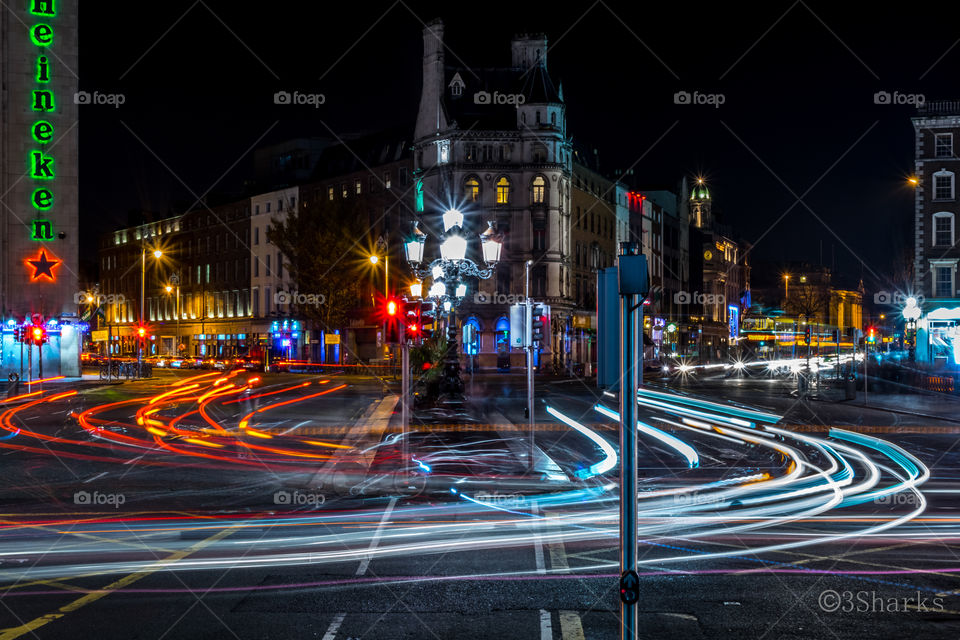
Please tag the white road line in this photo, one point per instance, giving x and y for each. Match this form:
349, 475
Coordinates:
546, 626
331, 633
99, 475
571, 628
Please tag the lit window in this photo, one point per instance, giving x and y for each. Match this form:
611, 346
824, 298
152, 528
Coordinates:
503, 191
329, 193
443, 151
386, 180
944, 282
356, 185
343, 190
472, 189
419, 195
538, 189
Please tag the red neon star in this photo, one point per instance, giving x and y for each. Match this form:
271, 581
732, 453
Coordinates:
42, 266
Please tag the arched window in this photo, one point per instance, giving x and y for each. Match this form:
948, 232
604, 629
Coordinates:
943, 229
471, 188
503, 190
553, 118
539, 185
943, 185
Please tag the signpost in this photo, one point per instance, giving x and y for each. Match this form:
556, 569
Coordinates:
633, 287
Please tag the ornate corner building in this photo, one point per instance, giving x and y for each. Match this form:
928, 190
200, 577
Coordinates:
493, 143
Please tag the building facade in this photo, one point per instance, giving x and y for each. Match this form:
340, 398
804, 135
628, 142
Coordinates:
39, 228
936, 253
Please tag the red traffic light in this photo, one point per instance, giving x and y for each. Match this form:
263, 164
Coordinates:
391, 308
38, 335
142, 331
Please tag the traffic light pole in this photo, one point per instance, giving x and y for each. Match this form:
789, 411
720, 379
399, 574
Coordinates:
632, 276
528, 340
404, 404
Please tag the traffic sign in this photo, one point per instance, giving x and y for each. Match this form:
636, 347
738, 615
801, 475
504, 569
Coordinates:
629, 587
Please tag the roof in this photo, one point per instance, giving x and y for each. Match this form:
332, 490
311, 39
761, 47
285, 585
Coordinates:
488, 100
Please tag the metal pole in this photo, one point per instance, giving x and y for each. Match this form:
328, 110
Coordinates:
143, 281
528, 340
866, 359
405, 392
628, 465
177, 346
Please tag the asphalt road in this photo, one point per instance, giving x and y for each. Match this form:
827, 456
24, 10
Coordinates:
311, 519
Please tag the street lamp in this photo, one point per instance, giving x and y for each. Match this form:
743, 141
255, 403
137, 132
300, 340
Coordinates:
157, 253
175, 285
447, 274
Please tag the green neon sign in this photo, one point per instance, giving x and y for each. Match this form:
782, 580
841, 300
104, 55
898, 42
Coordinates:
43, 8
43, 69
41, 166
42, 35
41, 230
42, 131
42, 199
42, 100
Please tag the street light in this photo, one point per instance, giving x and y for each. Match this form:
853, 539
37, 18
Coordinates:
157, 253
447, 273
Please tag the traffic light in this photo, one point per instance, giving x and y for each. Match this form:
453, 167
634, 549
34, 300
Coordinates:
38, 335
872, 335
393, 320
141, 332
806, 334
537, 325
391, 308
16, 334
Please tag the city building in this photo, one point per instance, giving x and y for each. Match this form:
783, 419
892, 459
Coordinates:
39, 228
936, 251
493, 143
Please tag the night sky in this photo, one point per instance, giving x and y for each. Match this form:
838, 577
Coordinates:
798, 81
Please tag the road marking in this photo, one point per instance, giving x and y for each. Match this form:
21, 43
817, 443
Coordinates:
546, 626
36, 623
571, 627
331, 633
99, 475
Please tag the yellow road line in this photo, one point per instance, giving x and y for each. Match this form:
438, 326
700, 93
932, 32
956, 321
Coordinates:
36, 623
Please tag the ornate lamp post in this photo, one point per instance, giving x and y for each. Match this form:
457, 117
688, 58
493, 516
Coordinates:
447, 286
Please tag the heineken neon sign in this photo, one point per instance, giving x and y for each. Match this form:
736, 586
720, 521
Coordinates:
40, 163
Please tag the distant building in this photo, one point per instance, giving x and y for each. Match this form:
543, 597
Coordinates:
936, 250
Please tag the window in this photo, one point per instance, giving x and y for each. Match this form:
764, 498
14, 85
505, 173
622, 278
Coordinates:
386, 180
208, 274
503, 190
402, 176
268, 207
538, 188
470, 153
256, 235
943, 286
343, 190
329, 193
443, 151
471, 189
268, 265
539, 154
943, 185
943, 145
419, 195
256, 268
256, 209
553, 118
372, 186
943, 229
539, 239
280, 204
279, 266
293, 202
356, 186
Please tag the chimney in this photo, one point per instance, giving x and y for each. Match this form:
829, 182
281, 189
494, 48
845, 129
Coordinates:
430, 118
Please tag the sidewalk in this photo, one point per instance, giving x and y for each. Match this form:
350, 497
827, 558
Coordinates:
942, 407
